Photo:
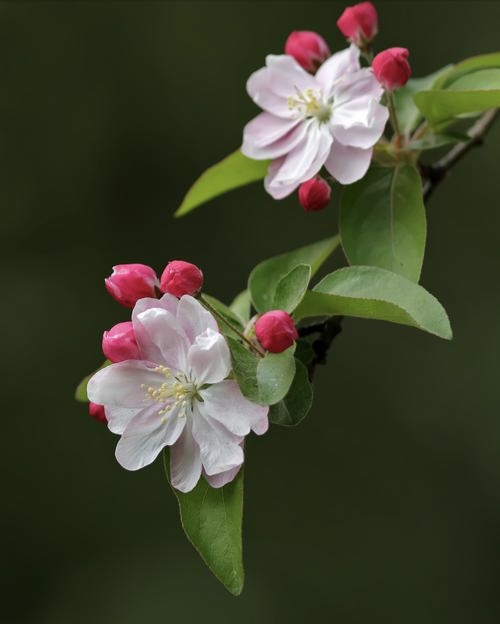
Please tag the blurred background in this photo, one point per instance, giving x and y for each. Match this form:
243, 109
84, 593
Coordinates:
384, 506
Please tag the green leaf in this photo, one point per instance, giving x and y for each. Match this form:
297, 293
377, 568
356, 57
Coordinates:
291, 288
265, 276
408, 114
241, 306
244, 366
234, 171
382, 221
443, 106
295, 406
275, 374
370, 292
212, 521
433, 141
81, 390
470, 65
229, 318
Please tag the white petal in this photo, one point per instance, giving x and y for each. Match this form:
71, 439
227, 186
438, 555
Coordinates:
120, 384
120, 417
336, 67
194, 318
225, 403
348, 164
220, 450
268, 136
222, 478
359, 128
209, 360
161, 336
185, 461
146, 435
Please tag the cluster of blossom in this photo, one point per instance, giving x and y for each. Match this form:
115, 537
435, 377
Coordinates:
169, 385
322, 109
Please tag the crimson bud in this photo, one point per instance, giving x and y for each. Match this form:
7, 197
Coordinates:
308, 48
130, 282
276, 331
359, 23
314, 194
181, 278
391, 68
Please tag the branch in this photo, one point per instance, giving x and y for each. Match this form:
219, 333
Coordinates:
434, 174
327, 331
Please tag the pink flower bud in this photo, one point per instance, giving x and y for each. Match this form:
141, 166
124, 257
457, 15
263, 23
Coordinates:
314, 194
181, 278
119, 343
308, 48
276, 331
97, 412
391, 68
359, 23
130, 282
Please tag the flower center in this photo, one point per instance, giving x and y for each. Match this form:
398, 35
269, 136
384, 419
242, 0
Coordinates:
308, 103
175, 392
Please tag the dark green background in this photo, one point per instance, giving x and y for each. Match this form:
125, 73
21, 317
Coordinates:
385, 505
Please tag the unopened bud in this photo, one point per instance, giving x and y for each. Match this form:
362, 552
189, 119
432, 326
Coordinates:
130, 282
181, 278
119, 343
391, 68
276, 331
359, 23
97, 412
308, 48
314, 194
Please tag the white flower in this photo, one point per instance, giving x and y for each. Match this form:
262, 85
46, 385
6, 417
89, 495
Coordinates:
333, 118
177, 395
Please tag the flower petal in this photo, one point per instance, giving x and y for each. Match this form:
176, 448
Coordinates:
336, 67
209, 359
362, 128
222, 478
146, 435
120, 417
348, 164
161, 338
220, 450
268, 136
121, 384
225, 403
194, 318
185, 461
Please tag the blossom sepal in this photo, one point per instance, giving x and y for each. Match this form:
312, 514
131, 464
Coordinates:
212, 520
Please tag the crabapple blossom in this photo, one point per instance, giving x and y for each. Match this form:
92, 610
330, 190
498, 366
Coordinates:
276, 331
333, 118
391, 68
314, 194
130, 282
308, 48
97, 412
181, 278
359, 23
178, 395
119, 343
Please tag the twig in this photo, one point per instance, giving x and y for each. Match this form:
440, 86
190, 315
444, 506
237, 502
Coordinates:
327, 332
434, 174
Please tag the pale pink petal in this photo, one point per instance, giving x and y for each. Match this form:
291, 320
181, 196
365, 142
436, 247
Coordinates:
209, 359
225, 403
222, 478
146, 435
122, 384
194, 318
348, 164
161, 338
358, 127
120, 417
268, 136
360, 84
336, 68
185, 461
220, 450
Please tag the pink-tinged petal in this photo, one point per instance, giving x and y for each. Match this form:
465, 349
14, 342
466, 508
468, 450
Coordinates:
302, 163
348, 164
122, 384
194, 318
224, 403
336, 67
146, 435
222, 478
360, 128
268, 136
220, 450
185, 461
148, 350
120, 417
209, 360
360, 84
161, 338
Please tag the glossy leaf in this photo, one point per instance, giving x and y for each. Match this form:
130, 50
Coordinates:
443, 106
291, 288
297, 403
374, 293
382, 221
234, 171
470, 65
275, 374
81, 390
265, 276
244, 365
227, 320
212, 521
241, 306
